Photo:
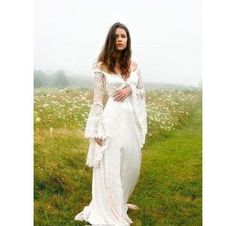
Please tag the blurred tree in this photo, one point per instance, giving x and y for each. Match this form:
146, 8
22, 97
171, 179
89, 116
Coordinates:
60, 79
40, 79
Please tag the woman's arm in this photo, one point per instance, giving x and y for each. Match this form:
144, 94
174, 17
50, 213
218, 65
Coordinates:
140, 91
139, 103
95, 128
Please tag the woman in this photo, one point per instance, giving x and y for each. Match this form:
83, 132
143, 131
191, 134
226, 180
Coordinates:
116, 132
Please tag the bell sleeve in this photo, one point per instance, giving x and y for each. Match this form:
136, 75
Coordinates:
95, 126
139, 106
95, 123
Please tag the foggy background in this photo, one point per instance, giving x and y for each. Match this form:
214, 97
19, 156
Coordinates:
165, 35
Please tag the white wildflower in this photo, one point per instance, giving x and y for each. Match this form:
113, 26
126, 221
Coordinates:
38, 119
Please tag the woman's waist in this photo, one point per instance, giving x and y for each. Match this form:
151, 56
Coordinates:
119, 106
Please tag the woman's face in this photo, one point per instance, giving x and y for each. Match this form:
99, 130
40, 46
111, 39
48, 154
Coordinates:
121, 38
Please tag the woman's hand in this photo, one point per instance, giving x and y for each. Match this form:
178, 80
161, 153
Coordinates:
99, 141
123, 93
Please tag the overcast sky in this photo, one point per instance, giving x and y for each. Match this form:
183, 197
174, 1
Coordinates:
165, 35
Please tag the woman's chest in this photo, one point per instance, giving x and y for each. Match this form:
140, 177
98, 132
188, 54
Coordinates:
116, 81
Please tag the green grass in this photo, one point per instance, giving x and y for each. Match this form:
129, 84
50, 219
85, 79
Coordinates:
168, 191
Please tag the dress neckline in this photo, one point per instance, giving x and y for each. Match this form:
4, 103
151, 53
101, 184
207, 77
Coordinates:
117, 74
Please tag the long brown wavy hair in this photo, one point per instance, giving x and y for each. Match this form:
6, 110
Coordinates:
108, 55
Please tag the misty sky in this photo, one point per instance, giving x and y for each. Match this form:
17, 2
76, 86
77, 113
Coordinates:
165, 35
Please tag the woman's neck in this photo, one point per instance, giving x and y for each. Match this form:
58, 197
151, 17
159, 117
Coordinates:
118, 57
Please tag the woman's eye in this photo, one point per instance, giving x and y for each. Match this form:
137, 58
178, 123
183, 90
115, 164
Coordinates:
123, 36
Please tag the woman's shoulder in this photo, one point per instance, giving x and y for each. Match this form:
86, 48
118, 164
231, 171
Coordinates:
100, 67
134, 65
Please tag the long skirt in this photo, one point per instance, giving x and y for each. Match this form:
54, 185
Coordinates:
116, 174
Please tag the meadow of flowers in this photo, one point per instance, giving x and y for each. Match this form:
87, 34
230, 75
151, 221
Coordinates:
61, 178
167, 109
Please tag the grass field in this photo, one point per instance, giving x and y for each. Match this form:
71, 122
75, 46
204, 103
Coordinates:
169, 188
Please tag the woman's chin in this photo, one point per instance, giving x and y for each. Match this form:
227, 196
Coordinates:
120, 48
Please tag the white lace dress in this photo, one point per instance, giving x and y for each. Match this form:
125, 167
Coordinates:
116, 164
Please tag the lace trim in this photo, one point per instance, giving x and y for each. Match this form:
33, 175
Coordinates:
140, 91
95, 126
84, 215
139, 105
105, 72
96, 153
